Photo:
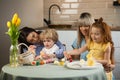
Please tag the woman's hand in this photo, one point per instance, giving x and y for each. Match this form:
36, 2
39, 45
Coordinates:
32, 48
67, 55
109, 67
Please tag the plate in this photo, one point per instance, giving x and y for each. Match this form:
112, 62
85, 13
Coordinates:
78, 65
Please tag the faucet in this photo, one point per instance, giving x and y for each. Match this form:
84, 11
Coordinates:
49, 20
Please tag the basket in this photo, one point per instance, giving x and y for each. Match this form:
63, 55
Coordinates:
26, 57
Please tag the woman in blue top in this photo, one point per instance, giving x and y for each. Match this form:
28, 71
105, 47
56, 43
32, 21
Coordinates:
30, 36
83, 24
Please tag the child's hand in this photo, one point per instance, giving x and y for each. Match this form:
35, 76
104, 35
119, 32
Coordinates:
52, 55
68, 56
37, 57
42, 53
45, 57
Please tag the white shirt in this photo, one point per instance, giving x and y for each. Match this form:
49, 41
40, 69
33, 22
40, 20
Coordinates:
51, 50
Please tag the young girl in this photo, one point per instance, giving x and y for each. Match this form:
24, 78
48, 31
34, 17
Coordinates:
100, 45
49, 37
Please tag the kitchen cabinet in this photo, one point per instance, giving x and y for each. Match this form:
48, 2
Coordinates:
116, 38
116, 2
67, 37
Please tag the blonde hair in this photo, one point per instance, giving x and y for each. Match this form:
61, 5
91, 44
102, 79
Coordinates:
49, 34
85, 20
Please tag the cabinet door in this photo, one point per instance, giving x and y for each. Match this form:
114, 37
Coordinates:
67, 38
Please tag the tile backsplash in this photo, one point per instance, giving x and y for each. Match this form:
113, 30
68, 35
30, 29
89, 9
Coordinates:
71, 10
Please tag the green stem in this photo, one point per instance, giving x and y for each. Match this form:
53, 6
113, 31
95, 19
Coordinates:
14, 54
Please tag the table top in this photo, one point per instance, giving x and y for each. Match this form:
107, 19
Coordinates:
51, 72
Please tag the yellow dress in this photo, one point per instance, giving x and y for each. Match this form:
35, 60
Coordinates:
97, 51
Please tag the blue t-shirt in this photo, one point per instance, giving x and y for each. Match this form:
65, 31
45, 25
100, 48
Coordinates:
75, 46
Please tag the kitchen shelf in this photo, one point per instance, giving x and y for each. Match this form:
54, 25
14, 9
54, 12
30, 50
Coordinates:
116, 3
60, 26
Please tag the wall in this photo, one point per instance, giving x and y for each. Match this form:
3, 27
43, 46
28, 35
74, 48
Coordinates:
116, 40
71, 10
31, 14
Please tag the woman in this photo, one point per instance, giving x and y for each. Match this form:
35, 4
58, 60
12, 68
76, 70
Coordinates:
30, 36
84, 23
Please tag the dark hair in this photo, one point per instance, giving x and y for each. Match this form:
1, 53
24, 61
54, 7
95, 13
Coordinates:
24, 32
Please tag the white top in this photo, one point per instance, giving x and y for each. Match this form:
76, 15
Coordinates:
51, 50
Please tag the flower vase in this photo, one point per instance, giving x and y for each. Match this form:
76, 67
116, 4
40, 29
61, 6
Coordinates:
13, 58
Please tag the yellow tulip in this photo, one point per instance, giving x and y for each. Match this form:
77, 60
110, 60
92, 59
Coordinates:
8, 24
90, 62
13, 30
14, 19
89, 56
18, 22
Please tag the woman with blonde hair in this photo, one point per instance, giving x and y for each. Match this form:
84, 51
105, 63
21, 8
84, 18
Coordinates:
84, 23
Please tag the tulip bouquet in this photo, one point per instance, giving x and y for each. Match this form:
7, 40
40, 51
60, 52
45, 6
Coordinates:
13, 28
13, 32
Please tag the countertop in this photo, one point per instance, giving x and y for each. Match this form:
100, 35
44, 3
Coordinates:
117, 28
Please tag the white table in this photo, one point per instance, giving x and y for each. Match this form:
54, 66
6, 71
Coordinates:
50, 72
